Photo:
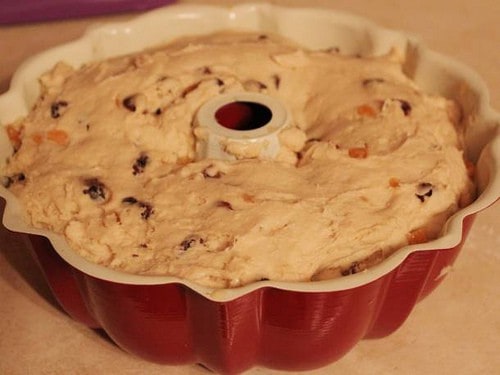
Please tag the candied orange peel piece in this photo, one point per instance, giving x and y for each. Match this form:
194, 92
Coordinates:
417, 236
37, 138
248, 198
15, 136
366, 110
58, 136
358, 152
394, 182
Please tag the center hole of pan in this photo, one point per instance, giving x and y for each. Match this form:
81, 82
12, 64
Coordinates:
243, 115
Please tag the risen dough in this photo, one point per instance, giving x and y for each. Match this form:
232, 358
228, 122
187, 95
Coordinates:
107, 157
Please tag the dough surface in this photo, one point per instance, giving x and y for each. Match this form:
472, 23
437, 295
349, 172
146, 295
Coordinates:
369, 163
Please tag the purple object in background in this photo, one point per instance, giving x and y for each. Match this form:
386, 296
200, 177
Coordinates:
19, 11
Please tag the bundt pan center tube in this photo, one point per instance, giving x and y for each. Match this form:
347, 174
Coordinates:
277, 324
247, 119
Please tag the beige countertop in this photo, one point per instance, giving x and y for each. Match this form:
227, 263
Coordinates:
456, 330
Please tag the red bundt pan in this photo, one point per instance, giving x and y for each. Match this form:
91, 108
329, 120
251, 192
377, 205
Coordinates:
289, 330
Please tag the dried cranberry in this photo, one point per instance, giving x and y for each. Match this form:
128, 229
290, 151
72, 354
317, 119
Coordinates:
277, 81
140, 164
355, 267
224, 204
424, 191
129, 103
405, 106
7, 181
191, 241
55, 108
96, 190
129, 200
147, 210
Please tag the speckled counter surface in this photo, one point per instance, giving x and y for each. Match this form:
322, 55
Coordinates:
456, 330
